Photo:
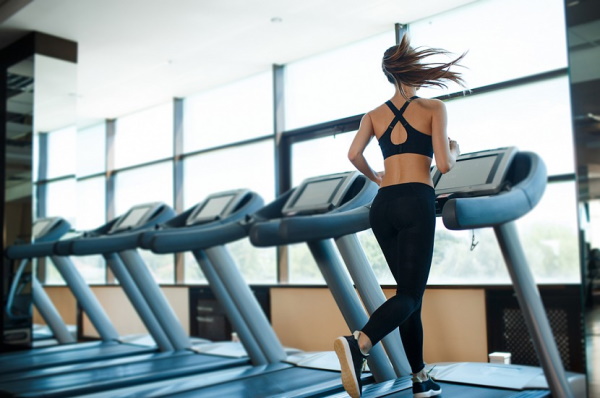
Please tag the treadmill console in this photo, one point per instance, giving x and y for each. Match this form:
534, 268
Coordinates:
135, 217
319, 194
43, 226
216, 206
476, 173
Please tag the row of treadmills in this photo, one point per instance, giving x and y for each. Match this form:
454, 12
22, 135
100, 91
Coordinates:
486, 189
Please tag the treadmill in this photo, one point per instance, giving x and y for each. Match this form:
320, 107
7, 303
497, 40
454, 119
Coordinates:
205, 230
117, 241
486, 189
110, 344
297, 374
55, 331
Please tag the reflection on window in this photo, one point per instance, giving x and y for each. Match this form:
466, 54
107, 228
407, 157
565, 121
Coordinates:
144, 136
245, 167
144, 185
534, 43
91, 144
61, 152
534, 117
340, 83
231, 113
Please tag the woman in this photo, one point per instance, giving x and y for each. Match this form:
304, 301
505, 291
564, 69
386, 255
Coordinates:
410, 130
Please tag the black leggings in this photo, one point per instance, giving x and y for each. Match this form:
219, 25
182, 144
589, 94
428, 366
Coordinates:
403, 221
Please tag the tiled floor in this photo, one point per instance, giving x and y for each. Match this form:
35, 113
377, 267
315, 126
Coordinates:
593, 351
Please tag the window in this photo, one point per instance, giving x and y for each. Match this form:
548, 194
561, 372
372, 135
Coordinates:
337, 84
505, 39
231, 113
91, 214
549, 240
144, 136
61, 201
534, 117
91, 150
144, 185
305, 164
61, 150
247, 166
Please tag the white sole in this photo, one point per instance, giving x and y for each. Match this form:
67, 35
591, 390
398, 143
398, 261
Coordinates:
427, 394
349, 380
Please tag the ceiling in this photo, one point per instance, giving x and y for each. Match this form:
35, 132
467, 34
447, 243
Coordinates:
137, 53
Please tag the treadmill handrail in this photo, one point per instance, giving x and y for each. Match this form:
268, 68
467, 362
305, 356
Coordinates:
488, 211
202, 236
350, 217
101, 241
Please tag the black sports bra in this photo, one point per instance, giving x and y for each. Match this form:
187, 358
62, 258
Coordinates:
416, 142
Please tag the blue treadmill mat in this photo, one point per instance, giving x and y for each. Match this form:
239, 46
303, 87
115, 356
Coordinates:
85, 354
271, 384
81, 366
450, 390
111, 377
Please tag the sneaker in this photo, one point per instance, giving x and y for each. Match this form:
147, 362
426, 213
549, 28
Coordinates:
427, 388
352, 362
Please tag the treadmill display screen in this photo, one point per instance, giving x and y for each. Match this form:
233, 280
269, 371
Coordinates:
468, 172
39, 226
133, 218
317, 193
212, 209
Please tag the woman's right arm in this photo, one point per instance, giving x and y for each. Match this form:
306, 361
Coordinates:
356, 152
446, 151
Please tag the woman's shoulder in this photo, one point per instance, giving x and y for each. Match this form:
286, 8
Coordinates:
429, 103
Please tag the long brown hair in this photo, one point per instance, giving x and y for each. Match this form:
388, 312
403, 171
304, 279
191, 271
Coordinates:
403, 64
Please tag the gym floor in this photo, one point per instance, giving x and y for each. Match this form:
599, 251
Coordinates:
593, 350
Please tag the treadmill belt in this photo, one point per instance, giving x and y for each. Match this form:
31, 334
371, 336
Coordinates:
88, 381
267, 385
93, 353
470, 391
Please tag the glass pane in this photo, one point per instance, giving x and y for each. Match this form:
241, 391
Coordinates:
534, 117
91, 214
144, 185
594, 220
534, 40
62, 152
144, 136
231, 113
91, 206
340, 83
91, 144
61, 199
303, 268
549, 240
248, 166
253, 170
335, 150
60, 202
